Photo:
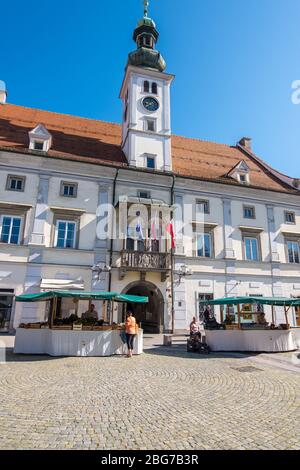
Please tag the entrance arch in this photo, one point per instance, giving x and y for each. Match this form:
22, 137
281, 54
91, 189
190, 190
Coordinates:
150, 316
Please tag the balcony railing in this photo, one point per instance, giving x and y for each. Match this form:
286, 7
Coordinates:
146, 260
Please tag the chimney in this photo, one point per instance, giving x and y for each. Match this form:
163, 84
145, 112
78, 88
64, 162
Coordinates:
3, 92
246, 142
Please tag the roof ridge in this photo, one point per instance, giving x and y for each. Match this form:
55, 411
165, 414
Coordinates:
203, 140
63, 114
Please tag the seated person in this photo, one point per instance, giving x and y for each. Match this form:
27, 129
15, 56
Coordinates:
195, 328
261, 319
90, 314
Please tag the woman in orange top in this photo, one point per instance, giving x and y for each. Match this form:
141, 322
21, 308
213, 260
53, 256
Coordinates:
130, 330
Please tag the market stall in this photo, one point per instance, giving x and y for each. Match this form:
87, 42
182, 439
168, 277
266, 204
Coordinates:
77, 333
244, 326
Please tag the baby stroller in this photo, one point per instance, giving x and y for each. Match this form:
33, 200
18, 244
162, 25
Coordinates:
194, 344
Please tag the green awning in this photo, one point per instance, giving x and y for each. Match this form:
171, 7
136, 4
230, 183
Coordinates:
131, 299
279, 301
44, 296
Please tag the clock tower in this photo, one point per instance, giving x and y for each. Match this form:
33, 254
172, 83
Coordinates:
145, 93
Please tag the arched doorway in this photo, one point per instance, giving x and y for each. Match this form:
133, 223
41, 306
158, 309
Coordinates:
150, 316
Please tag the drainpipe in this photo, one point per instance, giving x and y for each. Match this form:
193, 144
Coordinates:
172, 264
111, 240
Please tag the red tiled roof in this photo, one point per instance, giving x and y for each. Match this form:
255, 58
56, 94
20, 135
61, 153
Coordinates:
99, 142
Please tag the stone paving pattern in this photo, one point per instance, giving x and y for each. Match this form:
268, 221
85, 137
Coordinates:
164, 399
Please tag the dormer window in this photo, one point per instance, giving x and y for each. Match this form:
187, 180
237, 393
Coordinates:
241, 173
40, 139
38, 145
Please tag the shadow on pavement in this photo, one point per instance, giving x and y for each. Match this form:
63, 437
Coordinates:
180, 351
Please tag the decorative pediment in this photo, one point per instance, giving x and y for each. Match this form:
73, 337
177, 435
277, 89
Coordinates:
40, 138
241, 166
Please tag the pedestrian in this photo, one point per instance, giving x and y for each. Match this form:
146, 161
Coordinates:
131, 330
195, 328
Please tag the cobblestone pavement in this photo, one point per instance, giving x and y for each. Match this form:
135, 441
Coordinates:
164, 399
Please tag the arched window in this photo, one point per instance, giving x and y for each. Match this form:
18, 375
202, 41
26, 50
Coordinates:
140, 41
146, 86
154, 88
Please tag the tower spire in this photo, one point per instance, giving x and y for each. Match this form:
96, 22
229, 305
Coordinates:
146, 5
146, 35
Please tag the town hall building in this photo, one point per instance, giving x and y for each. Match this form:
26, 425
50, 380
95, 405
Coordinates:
185, 220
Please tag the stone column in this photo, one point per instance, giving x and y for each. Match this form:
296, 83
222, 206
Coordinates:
275, 263
228, 244
41, 210
102, 246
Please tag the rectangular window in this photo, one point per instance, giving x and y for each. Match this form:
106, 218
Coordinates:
204, 249
293, 252
251, 249
290, 217
10, 229
15, 183
203, 205
68, 189
151, 162
144, 194
150, 125
65, 234
249, 212
38, 145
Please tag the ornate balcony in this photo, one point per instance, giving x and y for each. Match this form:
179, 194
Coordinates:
144, 261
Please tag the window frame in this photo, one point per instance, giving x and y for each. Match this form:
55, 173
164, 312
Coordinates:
290, 240
286, 213
251, 237
17, 177
146, 89
20, 235
211, 244
155, 90
153, 158
75, 240
245, 207
140, 191
147, 121
39, 142
68, 183
206, 204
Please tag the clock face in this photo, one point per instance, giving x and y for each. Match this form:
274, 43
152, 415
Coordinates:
151, 104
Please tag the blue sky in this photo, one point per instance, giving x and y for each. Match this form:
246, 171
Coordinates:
234, 61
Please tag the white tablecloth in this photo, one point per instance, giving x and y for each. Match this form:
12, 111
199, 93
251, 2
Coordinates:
73, 343
251, 340
296, 336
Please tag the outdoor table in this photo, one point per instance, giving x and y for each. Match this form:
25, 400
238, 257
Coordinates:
73, 343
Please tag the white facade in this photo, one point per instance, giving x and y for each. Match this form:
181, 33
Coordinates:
247, 241
226, 272
137, 141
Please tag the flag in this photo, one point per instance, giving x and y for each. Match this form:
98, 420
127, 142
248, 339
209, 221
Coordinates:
154, 227
139, 230
170, 230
